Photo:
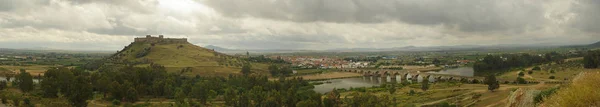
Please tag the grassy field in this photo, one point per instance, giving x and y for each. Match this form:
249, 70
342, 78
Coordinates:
32, 69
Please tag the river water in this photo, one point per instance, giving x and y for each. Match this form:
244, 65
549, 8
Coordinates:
347, 83
13, 78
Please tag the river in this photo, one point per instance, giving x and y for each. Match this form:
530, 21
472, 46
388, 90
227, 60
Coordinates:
13, 78
370, 81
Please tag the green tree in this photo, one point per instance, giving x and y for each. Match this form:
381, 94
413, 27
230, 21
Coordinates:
286, 71
201, 92
332, 99
246, 69
521, 74
521, 80
80, 91
492, 83
3, 85
180, 98
392, 88
425, 84
308, 103
116, 90
274, 70
25, 81
132, 95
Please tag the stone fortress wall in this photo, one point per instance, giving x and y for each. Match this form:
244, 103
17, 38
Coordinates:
160, 39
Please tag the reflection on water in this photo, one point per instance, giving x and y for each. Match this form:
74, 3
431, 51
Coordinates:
462, 71
347, 83
370, 81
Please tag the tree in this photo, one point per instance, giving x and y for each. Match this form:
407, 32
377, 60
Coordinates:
436, 62
332, 99
132, 95
552, 77
591, 59
3, 85
80, 91
201, 92
392, 88
180, 98
25, 81
521, 74
115, 90
286, 71
308, 103
425, 84
521, 80
246, 69
492, 83
274, 70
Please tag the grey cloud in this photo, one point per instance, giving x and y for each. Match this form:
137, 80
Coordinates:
588, 15
10, 5
467, 15
141, 6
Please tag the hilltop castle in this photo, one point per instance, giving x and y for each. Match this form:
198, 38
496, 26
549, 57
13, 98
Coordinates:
160, 39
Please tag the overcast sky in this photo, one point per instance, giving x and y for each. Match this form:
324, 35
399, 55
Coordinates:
297, 24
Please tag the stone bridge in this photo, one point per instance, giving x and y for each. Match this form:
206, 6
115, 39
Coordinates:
411, 75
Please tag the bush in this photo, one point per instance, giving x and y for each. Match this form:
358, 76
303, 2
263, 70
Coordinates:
116, 102
530, 72
552, 71
545, 93
552, 77
412, 92
475, 81
521, 80
521, 74
537, 68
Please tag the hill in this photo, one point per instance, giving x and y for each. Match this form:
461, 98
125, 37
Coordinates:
597, 44
177, 55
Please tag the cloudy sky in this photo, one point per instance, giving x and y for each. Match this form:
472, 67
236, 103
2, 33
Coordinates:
298, 24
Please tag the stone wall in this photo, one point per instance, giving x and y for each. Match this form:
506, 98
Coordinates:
160, 39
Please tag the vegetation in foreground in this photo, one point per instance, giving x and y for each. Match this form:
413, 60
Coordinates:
582, 92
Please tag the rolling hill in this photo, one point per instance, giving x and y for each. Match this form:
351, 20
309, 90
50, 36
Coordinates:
179, 55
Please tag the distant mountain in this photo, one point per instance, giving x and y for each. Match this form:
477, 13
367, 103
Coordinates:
216, 48
597, 44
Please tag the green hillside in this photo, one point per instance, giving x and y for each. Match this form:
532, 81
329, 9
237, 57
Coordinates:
184, 58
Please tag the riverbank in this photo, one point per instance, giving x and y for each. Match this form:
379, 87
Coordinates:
329, 75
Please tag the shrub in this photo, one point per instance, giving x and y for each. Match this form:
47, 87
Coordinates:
537, 68
545, 93
552, 71
116, 102
552, 77
521, 74
475, 81
521, 80
530, 72
412, 92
